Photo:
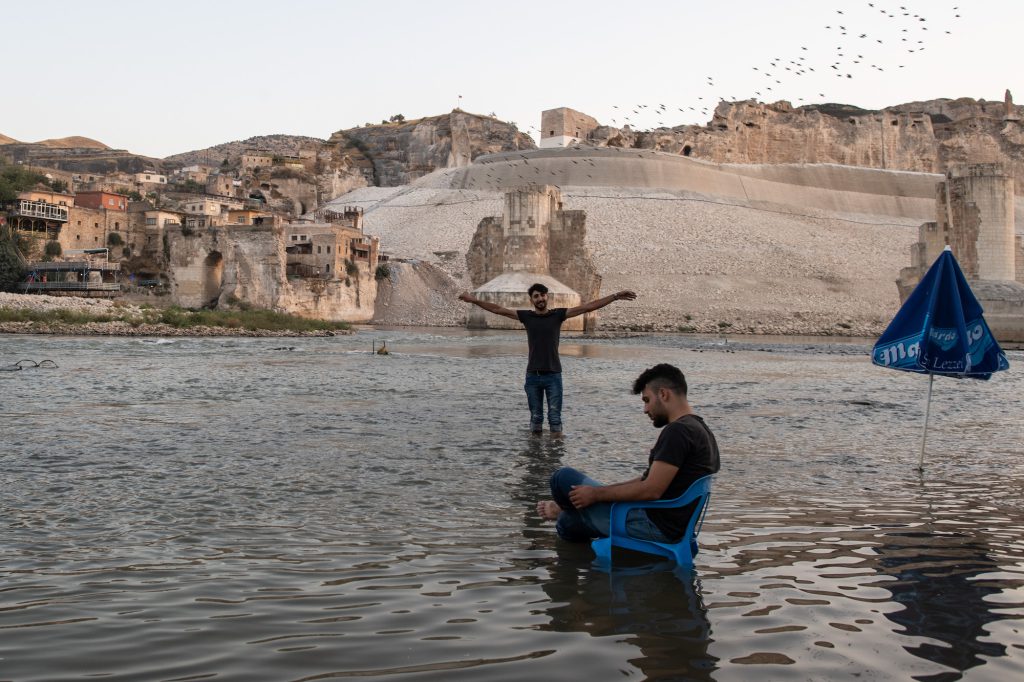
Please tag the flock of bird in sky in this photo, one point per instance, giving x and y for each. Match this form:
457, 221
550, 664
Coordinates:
858, 43
853, 51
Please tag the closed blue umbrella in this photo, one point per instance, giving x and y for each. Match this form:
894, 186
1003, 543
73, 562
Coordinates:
940, 330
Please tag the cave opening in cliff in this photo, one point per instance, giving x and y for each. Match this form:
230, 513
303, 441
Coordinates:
213, 277
686, 150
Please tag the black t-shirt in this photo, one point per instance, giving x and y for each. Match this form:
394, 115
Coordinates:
688, 444
542, 337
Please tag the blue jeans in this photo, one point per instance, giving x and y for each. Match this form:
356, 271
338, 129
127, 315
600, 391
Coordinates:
581, 525
537, 386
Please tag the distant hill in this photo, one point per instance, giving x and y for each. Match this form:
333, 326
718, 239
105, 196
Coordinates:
73, 142
7, 140
284, 145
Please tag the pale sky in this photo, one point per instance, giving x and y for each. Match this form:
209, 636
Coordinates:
160, 78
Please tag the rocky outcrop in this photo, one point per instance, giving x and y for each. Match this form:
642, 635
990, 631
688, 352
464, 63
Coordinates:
279, 145
401, 152
88, 158
918, 136
222, 267
416, 293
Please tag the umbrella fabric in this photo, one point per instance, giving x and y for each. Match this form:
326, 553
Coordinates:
940, 329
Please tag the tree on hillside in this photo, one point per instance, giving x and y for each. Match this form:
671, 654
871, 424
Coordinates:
397, 118
14, 179
11, 271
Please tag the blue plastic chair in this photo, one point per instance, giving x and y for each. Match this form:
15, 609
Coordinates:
682, 551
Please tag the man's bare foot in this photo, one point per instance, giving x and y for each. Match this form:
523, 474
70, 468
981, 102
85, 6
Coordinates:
548, 509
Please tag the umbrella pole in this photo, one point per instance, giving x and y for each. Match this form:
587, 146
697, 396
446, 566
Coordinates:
927, 409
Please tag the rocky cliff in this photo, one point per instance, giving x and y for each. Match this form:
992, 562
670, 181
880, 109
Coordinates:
281, 145
80, 155
918, 136
401, 152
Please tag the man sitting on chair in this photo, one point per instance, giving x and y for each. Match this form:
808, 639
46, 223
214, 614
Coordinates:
686, 450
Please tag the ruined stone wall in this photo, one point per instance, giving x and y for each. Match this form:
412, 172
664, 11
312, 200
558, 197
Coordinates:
980, 206
484, 259
1018, 251
571, 262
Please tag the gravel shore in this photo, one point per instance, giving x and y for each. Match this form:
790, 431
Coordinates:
699, 264
118, 327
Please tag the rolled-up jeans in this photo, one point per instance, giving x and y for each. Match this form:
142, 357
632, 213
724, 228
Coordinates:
581, 525
537, 386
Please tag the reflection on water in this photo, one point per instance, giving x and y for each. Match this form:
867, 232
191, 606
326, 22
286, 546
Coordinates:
239, 509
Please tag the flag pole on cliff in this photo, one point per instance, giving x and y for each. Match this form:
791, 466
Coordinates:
940, 330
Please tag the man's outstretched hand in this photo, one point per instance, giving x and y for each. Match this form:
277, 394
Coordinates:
625, 295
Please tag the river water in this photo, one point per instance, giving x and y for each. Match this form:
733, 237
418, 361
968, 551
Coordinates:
302, 509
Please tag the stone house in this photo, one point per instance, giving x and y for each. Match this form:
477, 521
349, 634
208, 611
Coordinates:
254, 158
221, 185
333, 246
149, 179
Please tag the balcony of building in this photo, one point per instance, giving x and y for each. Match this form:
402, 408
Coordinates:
85, 272
28, 208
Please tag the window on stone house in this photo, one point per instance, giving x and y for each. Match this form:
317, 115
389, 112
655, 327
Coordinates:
328, 249
318, 249
328, 267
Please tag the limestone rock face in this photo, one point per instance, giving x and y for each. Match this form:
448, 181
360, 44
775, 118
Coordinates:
88, 158
403, 152
417, 293
221, 267
918, 136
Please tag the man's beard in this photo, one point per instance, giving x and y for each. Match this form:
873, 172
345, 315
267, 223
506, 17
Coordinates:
659, 421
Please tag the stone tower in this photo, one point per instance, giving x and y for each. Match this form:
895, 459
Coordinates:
526, 229
534, 240
975, 212
975, 218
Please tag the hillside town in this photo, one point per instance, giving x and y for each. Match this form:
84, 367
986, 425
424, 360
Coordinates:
387, 222
172, 234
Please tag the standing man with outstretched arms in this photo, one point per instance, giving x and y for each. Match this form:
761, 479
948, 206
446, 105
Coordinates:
543, 367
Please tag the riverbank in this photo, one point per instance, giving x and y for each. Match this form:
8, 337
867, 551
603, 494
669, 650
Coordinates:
75, 316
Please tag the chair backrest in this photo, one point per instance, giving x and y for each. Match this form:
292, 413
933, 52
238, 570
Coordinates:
699, 490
